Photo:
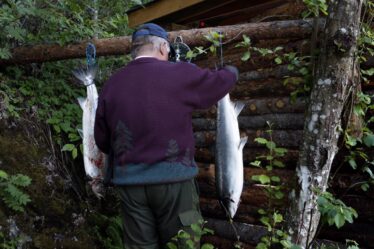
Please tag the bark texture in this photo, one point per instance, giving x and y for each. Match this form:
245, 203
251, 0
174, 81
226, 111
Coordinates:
193, 37
334, 83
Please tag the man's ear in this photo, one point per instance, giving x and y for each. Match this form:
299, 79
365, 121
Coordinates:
163, 49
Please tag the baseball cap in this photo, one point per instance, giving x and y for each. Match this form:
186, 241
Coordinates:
155, 30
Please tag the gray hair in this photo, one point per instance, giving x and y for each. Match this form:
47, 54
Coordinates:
147, 43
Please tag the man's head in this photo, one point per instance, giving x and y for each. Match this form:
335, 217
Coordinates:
150, 40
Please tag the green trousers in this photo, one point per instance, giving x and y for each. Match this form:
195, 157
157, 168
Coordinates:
153, 214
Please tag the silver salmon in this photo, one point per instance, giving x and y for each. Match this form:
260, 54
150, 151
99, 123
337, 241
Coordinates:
229, 155
93, 158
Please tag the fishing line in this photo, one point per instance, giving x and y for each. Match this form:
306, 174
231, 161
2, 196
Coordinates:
231, 221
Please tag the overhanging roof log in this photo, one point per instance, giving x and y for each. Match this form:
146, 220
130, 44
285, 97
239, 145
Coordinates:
157, 10
193, 37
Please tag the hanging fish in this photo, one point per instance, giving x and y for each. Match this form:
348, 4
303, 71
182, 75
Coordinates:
229, 155
93, 158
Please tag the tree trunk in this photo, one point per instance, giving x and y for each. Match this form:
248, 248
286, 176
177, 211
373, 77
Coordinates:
194, 37
335, 82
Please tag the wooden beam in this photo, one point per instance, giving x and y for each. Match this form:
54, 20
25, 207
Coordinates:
194, 37
157, 10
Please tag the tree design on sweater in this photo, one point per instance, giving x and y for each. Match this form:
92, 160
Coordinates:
172, 151
123, 140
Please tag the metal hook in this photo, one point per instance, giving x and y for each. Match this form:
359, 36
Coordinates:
90, 54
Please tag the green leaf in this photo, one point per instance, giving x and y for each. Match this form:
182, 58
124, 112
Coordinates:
246, 39
207, 246
21, 180
171, 245
256, 163
278, 164
277, 218
278, 60
280, 151
261, 140
246, 56
270, 145
369, 140
68, 147
74, 153
3, 175
261, 211
278, 195
352, 163
339, 220
275, 178
264, 179
365, 187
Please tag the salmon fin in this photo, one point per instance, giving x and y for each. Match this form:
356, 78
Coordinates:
82, 102
243, 141
80, 131
238, 107
86, 76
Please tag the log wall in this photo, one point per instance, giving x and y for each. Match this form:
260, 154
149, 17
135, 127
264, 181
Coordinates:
261, 87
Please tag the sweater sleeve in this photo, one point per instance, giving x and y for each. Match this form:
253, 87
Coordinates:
211, 86
101, 131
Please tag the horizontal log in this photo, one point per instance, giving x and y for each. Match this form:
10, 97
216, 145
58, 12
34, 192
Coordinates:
257, 106
251, 234
278, 72
361, 232
224, 243
282, 138
253, 192
233, 55
248, 233
246, 213
262, 88
193, 37
284, 121
207, 155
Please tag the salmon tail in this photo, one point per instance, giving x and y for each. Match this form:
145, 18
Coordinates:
243, 141
86, 76
82, 102
238, 107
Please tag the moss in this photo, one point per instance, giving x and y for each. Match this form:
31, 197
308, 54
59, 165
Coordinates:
48, 219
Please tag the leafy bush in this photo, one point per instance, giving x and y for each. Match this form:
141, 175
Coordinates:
10, 190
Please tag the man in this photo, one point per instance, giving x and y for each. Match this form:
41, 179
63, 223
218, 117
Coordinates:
143, 121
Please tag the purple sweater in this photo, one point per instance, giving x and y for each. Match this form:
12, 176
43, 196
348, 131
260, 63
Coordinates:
144, 118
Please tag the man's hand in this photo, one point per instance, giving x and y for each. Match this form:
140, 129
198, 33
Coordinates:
233, 69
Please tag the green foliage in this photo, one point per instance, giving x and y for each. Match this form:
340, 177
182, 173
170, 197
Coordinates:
189, 239
246, 43
214, 38
271, 218
46, 91
302, 78
358, 158
315, 8
6, 243
351, 244
10, 190
334, 211
109, 231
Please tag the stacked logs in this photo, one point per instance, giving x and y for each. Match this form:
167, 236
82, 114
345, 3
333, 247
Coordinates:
261, 87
